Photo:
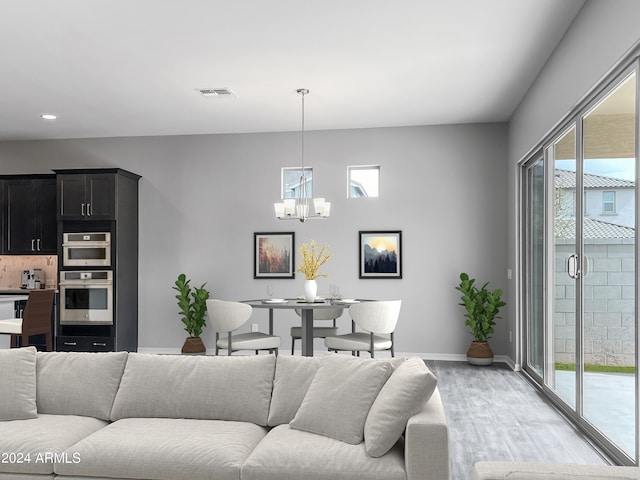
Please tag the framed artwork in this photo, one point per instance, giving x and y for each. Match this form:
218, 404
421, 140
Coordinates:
273, 255
380, 254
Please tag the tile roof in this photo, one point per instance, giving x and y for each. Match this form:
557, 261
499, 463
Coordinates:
567, 179
592, 229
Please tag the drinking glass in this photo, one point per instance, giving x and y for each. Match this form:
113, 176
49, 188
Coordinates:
270, 291
335, 292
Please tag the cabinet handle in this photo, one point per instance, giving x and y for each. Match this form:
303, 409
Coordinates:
88, 209
97, 344
38, 244
71, 344
33, 244
83, 209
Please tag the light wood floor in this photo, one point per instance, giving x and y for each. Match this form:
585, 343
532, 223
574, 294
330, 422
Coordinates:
494, 413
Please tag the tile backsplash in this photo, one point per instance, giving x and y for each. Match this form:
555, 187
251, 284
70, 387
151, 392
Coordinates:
11, 267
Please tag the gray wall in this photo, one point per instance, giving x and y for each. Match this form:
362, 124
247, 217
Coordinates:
600, 35
203, 197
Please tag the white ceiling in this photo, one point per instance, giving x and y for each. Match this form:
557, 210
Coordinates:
130, 67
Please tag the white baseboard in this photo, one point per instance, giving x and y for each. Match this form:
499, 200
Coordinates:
447, 357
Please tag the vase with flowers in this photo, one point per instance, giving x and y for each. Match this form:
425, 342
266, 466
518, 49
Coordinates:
313, 257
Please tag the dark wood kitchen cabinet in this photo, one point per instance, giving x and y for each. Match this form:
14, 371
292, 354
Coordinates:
86, 196
99, 200
30, 214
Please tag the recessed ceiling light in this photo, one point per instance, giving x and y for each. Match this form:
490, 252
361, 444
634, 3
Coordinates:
48, 116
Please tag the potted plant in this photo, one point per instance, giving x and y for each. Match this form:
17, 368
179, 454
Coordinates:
193, 308
482, 306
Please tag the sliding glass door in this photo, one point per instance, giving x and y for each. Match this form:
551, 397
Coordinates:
579, 256
609, 270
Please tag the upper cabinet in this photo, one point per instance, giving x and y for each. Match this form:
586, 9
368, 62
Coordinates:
29, 215
87, 196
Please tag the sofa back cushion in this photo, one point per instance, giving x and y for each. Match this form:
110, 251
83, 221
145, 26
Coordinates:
292, 379
404, 395
340, 396
18, 383
73, 383
236, 388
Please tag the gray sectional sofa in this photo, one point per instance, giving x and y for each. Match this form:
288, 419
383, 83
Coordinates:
81, 416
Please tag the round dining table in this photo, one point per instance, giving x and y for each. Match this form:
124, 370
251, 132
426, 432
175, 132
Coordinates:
306, 316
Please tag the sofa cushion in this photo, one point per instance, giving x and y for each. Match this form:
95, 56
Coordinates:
46, 434
78, 383
207, 387
18, 384
404, 395
289, 454
292, 379
166, 449
340, 396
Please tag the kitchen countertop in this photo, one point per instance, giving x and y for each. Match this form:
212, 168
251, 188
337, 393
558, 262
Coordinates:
16, 291
12, 298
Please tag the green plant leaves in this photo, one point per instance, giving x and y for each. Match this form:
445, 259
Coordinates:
482, 306
192, 304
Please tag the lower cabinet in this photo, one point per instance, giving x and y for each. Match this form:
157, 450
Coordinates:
84, 344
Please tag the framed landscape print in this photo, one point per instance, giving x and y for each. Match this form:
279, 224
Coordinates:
273, 255
380, 254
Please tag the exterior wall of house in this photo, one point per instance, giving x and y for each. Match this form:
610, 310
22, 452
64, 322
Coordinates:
625, 206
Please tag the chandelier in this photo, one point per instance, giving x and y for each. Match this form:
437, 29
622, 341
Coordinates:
298, 208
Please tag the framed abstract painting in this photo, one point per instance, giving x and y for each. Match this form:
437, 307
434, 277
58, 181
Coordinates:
273, 255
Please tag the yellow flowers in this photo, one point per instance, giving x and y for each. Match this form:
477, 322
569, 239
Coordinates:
312, 259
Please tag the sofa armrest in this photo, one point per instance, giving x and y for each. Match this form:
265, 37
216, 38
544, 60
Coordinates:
426, 448
544, 471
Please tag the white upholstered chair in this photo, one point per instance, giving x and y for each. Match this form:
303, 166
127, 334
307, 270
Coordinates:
318, 331
228, 316
377, 319
36, 320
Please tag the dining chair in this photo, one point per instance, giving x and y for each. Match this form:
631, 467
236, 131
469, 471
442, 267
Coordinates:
318, 331
226, 317
36, 320
377, 319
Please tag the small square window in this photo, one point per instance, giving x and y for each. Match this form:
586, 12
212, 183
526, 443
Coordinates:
292, 184
608, 202
364, 181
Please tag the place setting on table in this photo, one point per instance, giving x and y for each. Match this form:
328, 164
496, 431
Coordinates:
333, 299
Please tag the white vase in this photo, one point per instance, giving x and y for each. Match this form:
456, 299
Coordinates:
310, 290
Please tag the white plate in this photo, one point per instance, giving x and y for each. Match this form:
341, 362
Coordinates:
275, 300
348, 300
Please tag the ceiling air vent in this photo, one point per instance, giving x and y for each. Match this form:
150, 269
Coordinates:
216, 92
